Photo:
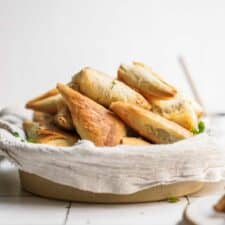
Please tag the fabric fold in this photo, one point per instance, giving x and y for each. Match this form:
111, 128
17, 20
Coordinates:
121, 169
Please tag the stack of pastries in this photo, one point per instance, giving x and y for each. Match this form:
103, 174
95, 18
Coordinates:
137, 108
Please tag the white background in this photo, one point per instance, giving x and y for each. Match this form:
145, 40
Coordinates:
43, 42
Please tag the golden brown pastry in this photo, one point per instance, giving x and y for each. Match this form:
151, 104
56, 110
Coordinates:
48, 134
91, 120
105, 90
45, 102
47, 94
44, 119
150, 125
52, 103
63, 119
46, 105
145, 80
134, 141
178, 109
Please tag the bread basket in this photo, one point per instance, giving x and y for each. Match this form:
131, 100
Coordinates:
49, 189
119, 174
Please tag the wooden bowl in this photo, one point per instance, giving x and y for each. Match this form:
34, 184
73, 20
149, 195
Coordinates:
46, 188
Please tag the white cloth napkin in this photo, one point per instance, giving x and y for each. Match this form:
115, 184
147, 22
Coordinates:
121, 169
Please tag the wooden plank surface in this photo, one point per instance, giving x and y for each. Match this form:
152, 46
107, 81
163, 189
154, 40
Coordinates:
9, 181
31, 210
160, 213
20, 207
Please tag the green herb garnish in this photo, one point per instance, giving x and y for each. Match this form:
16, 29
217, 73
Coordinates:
201, 128
15, 134
173, 199
30, 140
22, 140
194, 131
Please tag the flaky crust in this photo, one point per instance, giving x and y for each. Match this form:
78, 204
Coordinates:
46, 105
105, 90
47, 94
63, 119
43, 119
145, 80
91, 120
178, 109
44, 102
48, 134
150, 125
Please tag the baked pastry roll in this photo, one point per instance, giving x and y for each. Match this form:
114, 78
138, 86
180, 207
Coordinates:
52, 103
63, 119
47, 94
46, 105
104, 89
150, 125
43, 119
45, 102
134, 141
145, 80
48, 134
178, 109
91, 120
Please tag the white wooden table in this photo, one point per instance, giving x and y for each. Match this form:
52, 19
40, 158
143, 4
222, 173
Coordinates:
20, 207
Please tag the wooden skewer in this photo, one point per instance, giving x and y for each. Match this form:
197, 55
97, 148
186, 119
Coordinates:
193, 87
220, 206
190, 80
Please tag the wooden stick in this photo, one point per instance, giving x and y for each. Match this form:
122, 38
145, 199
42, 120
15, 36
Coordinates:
190, 80
220, 206
194, 90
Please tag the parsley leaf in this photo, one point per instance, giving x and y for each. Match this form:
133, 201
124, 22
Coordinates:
15, 134
30, 140
201, 128
173, 199
194, 131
